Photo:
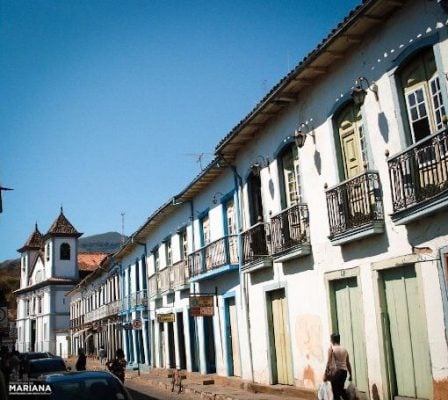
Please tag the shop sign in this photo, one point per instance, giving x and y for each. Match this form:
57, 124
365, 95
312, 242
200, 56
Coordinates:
202, 306
170, 317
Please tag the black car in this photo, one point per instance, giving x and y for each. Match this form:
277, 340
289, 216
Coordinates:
44, 366
86, 385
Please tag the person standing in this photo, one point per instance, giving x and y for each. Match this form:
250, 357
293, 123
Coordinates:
82, 360
338, 356
102, 354
118, 365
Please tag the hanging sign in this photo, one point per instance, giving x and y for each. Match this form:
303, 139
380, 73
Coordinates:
202, 306
170, 317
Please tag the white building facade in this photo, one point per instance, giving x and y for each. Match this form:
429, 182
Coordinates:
323, 211
48, 270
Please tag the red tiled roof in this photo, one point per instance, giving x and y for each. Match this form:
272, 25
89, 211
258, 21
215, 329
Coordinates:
62, 227
90, 261
35, 241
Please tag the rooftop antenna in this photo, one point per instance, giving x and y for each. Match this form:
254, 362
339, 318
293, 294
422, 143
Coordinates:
122, 227
199, 158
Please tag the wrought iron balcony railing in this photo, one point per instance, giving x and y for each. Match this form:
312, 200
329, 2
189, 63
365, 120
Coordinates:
290, 229
165, 279
153, 285
255, 243
355, 203
420, 173
180, 274
216, 254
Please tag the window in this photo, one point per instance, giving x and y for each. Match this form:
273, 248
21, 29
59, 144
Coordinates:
47, 252
289, 169
27, 307
205, 230
352, 145
230, 222
183, 242
65, 251
422, 94
168, 252
156, 259
39, 305
255, 199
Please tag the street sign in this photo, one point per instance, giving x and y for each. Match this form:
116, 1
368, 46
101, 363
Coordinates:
137, 324
202, 306
170, 317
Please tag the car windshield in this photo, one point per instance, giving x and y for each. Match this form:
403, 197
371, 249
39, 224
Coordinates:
88, 389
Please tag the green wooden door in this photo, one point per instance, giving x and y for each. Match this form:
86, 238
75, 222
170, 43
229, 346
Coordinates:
280, 342
406, 334
348, 321
234, 337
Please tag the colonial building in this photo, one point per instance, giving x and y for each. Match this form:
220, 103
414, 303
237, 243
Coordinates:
324, 210
49, 269
94, 305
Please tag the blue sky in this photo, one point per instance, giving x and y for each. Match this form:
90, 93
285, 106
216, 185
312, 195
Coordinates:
106, 105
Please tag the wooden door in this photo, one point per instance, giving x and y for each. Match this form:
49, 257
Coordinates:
347, 321
233, 338
405, 334
350, 133
281, 361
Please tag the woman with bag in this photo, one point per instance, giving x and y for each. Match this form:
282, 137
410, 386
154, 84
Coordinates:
338, 365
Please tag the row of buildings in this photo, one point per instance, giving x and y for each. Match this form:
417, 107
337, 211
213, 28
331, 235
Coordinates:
323, 210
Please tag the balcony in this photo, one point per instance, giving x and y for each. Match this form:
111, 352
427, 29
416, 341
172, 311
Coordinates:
180, 275
255, 247
290, 233
165, 283
355, 208
220, 253
419, 179
153, 285
137, 299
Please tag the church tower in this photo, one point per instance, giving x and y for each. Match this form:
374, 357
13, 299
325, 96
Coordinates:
61, 249
30, 251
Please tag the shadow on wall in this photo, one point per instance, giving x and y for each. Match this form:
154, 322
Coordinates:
367, 247
421, 231
383, 126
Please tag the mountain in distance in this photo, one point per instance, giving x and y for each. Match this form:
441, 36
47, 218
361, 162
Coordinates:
108, 242
10, 269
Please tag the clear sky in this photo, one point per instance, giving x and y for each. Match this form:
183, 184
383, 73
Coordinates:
106, 105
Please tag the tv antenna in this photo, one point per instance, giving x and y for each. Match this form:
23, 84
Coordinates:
199, 158
122, 227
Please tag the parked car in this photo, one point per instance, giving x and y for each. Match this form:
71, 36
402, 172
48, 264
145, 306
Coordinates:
44, 366
26, 357
86, 385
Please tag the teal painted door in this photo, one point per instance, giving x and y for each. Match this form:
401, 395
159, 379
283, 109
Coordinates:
348, 322
406, 336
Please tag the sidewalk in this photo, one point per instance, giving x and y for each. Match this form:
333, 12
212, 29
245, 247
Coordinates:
208, 387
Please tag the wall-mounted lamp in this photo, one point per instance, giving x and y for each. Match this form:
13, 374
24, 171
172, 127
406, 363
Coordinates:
359, 92
258, 164
215, 197
301, 133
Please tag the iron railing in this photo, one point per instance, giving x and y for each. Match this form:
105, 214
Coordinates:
180, 273
290, 228
420, 173
153, 285
216, 254
165, 282
255, 243
355, 203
